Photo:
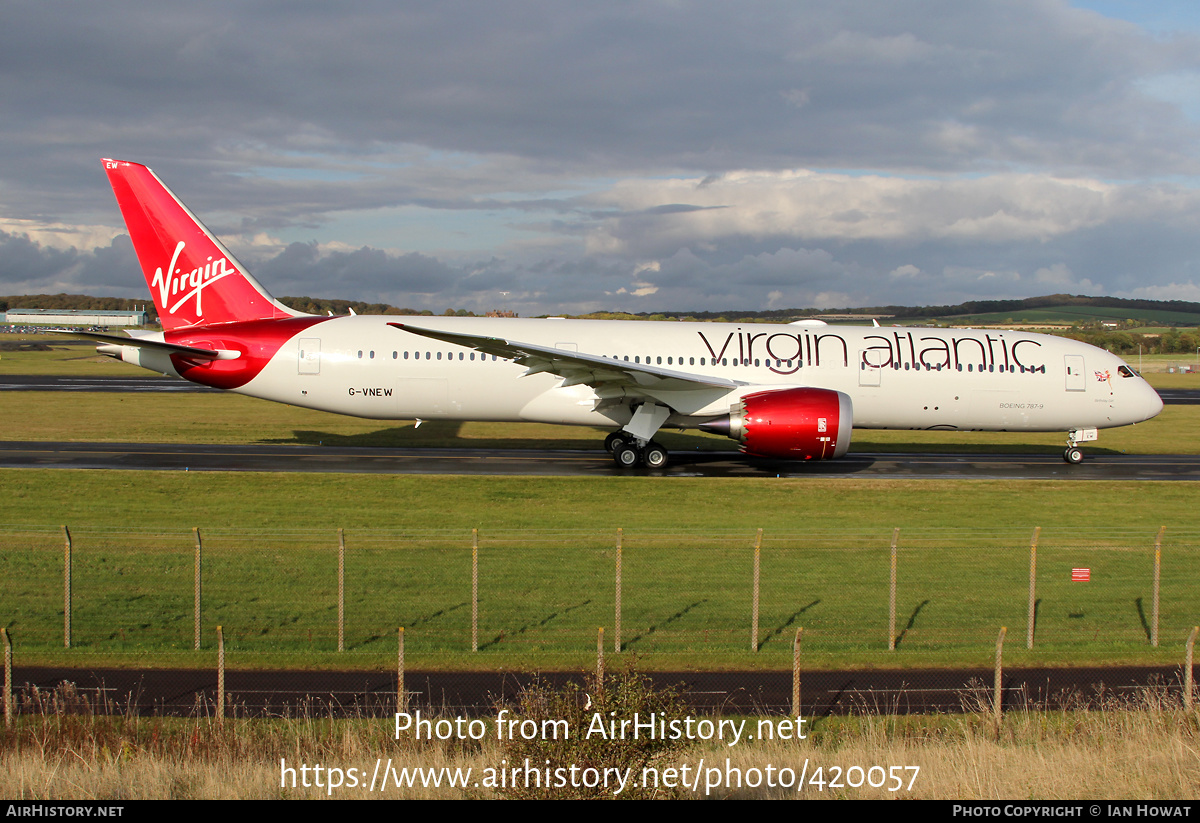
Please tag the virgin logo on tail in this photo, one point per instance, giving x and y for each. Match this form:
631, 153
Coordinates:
190, 283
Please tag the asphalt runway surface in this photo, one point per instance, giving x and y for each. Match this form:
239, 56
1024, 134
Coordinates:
40, 382
184, 692
593, 463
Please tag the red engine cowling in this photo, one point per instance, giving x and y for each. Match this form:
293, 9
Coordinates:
796, 424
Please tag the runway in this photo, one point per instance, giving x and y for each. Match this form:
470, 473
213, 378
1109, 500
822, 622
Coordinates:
191, 692
594, 463
41, 382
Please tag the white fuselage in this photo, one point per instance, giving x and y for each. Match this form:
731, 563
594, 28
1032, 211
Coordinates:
897, 377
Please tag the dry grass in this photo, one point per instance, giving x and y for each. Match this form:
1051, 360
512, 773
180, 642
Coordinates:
1147, 750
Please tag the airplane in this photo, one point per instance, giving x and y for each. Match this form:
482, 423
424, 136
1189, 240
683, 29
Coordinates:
794, 391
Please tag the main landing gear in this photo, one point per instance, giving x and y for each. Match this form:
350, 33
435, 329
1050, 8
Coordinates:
627, 454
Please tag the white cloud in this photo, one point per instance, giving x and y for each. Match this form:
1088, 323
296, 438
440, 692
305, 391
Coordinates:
59, 235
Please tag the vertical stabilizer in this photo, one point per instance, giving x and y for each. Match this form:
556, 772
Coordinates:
193, 278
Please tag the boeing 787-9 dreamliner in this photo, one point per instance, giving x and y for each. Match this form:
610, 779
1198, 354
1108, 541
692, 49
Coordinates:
782, 391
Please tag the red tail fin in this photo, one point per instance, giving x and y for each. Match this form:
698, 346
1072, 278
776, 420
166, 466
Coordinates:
193, 278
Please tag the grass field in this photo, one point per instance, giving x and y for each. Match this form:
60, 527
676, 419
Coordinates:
547, 557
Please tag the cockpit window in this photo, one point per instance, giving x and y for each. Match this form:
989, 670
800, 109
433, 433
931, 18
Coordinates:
1125, 371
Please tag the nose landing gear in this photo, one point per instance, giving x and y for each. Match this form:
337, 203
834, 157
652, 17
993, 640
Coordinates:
1074, 454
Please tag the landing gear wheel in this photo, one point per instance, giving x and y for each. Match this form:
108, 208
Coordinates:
626, 455
1073, 455
612, 441
655, 456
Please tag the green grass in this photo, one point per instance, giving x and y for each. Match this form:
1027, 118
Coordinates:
65, 358
547, 557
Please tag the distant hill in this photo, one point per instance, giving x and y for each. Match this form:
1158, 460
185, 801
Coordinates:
1055, 309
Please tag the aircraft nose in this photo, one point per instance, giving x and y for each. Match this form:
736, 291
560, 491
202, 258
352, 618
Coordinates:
1143, 404
1152, 402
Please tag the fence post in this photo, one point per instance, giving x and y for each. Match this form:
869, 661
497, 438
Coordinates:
1187, 669
796, 674
617, 625
1032, 586
66, 587
8, 694
892, 595
754, 599
1157, 569
220, 676
341, 590
401, 693
196, 609
997, 699
600, 657
474, 590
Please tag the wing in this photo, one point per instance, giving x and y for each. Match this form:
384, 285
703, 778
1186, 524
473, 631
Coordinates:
577, 368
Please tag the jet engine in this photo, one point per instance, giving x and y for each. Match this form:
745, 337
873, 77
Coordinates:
795, 424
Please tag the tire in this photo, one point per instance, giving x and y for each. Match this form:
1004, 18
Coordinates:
1073, 456
626, 456
612, 441
655, 456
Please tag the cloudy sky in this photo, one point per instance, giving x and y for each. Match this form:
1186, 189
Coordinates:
555, 157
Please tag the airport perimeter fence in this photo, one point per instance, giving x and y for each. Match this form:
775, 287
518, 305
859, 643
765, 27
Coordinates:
533, 600
530, 591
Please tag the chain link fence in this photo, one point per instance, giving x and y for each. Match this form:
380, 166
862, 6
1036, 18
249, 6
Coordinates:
727, 596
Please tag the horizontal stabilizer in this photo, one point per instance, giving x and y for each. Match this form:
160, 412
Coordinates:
144, 343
